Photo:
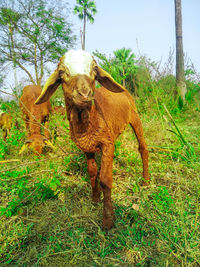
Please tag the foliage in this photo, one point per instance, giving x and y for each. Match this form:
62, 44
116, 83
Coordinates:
193, 89
58, 98
21, 193
122, 66
33, 33
13, 141
85, 9
9, 106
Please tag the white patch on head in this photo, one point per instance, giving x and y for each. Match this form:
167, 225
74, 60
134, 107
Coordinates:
78, 62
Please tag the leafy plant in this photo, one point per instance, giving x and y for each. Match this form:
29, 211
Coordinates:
189, 150
85, 9
33, 34
122, 66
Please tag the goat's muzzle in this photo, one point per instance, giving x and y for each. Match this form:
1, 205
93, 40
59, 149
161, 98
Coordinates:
82, 100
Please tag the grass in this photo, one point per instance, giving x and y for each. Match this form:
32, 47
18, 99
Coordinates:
47, 218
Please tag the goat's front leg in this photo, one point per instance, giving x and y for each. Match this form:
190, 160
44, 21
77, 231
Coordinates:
92, 170
27, 122
106, 184
46, 128
5, 134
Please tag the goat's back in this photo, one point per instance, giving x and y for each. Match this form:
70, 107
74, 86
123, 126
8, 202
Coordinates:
30, 94
116, 109
27, 101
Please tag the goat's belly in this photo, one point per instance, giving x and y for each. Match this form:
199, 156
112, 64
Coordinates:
87, 144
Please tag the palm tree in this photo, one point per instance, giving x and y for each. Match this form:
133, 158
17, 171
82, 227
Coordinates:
125, 60
85, 10
180, 77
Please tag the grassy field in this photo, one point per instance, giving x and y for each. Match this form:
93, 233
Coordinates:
48, 219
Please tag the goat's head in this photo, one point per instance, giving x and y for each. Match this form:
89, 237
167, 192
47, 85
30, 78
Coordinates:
77, 72
79, 90
36, 143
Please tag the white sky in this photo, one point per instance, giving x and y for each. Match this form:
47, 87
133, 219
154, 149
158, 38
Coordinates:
145, 26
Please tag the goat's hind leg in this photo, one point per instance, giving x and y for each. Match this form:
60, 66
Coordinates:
137, 127
5, 134
93, 173
106, 185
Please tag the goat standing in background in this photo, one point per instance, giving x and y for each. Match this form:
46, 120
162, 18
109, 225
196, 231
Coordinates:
34, 115
5, 124
97, 116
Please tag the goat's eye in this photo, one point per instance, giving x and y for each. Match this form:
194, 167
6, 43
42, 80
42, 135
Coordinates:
61, 72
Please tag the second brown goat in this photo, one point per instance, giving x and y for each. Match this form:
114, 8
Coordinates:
97, 116
5, 124
34, 115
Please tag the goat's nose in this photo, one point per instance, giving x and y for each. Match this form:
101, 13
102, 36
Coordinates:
85, 94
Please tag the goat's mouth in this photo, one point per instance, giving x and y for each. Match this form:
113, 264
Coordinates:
82, 103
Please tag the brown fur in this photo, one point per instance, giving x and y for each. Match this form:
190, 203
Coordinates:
5, 124
34, 115
97, 117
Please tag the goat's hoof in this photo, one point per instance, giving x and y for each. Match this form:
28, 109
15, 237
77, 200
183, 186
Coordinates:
108, 223
95, 199
145, 183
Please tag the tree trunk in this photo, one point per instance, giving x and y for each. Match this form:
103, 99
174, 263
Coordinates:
35, 64
180, 77
81, 36
84, 27
41, 69
13, 56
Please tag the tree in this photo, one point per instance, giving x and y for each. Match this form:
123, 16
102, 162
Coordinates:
121, 66
32, 36
85, 10
6, 18
126, 63
180, 77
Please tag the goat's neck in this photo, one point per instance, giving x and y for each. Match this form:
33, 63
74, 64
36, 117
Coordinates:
81, 120
35, 120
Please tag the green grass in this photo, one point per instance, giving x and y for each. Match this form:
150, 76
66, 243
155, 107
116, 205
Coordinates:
48, 219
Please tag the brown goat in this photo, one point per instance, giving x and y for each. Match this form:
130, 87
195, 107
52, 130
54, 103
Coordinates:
5, 124
97, 116
34, 115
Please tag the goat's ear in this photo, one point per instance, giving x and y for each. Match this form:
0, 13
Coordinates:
49, 88
24, 147
105, 79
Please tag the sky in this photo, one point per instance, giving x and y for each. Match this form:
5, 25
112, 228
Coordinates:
145, 26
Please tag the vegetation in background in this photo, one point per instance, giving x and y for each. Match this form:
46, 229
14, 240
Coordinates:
122, 66
85, 9
33, 33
